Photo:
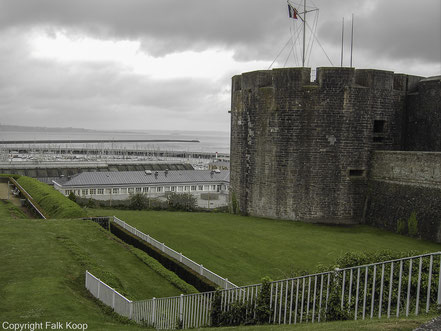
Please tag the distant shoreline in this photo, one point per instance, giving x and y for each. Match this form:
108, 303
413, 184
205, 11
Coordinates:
84, 141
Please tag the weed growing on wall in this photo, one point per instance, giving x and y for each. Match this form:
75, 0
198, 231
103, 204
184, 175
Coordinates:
401, 226
234, 204
412, 225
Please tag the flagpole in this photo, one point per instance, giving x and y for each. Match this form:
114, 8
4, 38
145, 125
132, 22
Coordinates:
304, 32
342, 40
352, 37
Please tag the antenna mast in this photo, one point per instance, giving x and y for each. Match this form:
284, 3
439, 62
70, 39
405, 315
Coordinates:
342, 40
352, 37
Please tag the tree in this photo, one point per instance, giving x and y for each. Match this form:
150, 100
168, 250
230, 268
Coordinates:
182, 201
138, 201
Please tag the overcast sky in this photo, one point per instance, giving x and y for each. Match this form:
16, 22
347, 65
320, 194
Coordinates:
167, 64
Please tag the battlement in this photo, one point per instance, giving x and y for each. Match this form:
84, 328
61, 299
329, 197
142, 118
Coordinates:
327, 77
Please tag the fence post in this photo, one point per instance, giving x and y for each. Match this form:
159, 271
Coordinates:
180, 257
201, 269
98, 291
154, 311
163, 247
439, 283
131, 309
226, 283
113, 299
181, 309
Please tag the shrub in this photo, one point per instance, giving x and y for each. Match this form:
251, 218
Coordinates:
241, 312
161, 270
351, 259
263, 310
138, 201
55, 204
72, 197
182, 201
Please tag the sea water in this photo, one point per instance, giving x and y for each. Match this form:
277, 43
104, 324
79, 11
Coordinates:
211, 142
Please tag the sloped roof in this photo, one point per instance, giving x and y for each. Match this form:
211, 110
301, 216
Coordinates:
142, 178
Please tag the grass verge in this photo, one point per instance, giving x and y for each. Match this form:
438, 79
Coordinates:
9, 210
245, 249
42, 269
54, 204
402, 324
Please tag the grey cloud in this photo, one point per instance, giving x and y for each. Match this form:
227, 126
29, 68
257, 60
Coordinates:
256, 29
46, 93
174, 25
394, 29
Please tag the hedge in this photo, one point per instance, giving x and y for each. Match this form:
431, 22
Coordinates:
188, 275
165, 273
55, 204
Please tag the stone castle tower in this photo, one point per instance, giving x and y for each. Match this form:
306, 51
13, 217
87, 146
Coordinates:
300, 150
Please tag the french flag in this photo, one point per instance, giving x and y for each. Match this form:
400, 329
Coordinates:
292, 12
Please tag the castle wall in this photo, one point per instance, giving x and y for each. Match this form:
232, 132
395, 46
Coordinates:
300, 149
402, 184
423, 130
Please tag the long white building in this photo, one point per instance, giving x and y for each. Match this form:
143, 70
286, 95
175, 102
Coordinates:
155, 184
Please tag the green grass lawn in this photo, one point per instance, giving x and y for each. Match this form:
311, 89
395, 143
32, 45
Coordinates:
42, 265
245, 249
8, 210
402, 324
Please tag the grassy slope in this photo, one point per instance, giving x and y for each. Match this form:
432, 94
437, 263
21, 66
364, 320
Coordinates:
8, 210
401, 324
245, 249
42, 272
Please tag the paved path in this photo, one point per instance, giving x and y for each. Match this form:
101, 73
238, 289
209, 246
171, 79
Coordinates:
433, 325
4, 195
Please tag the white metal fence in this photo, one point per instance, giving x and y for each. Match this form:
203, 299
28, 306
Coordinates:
394, 288
199, 268
107, 295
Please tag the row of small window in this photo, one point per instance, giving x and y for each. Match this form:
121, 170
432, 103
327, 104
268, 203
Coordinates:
156, 189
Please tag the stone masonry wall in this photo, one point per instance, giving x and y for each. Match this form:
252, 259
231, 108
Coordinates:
423, 129
300, 150
403, 184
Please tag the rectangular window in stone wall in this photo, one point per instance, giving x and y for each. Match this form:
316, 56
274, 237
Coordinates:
379, 126
356, 172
